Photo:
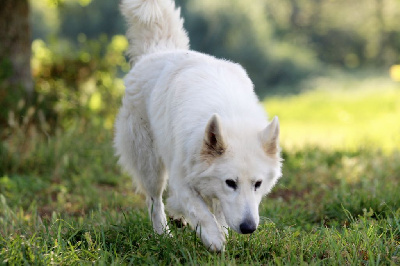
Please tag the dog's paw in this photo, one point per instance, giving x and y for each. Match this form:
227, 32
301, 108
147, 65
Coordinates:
215, 242
159, 222
212, 236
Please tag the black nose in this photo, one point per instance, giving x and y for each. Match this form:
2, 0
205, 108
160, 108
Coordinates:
248, 227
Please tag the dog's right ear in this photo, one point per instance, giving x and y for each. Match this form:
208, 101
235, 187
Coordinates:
213, 143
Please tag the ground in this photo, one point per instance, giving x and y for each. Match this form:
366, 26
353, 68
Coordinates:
64, 200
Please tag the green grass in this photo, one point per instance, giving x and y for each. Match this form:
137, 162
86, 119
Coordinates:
341, 113
63, 199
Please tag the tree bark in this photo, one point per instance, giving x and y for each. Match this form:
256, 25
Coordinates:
15, 44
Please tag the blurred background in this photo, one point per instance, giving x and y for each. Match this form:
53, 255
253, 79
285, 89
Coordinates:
330, 69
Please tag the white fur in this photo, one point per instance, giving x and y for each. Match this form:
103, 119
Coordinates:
179, 101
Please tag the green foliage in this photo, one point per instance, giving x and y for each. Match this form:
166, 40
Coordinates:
104, 17
336, 33
278, 42
243, 35
81, 82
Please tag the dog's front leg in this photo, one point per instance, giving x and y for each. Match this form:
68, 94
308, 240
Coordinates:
219, 215
190, 203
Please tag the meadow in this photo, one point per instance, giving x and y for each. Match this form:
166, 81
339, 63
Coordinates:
341, 111
64, 200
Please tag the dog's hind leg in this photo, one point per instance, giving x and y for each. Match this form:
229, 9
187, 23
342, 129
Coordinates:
153, 183
134, 144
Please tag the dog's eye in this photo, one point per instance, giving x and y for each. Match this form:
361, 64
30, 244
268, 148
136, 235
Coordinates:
231, 183
257, 184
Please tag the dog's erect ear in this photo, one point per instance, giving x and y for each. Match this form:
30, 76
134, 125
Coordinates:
213, 143
270, 137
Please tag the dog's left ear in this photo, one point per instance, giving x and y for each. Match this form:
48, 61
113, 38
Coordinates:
213, 143
270, 137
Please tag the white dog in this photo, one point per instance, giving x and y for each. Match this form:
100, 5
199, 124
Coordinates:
194, 120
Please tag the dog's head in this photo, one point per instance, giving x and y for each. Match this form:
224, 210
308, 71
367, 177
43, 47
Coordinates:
243, 164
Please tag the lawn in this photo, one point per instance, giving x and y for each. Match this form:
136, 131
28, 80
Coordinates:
64, 200
341, 113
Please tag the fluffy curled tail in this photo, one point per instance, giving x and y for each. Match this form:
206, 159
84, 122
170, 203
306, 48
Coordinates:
153, 26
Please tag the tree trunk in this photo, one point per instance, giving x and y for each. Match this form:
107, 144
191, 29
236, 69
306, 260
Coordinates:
15, 45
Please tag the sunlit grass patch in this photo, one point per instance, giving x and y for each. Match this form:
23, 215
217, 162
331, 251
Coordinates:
340, 115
